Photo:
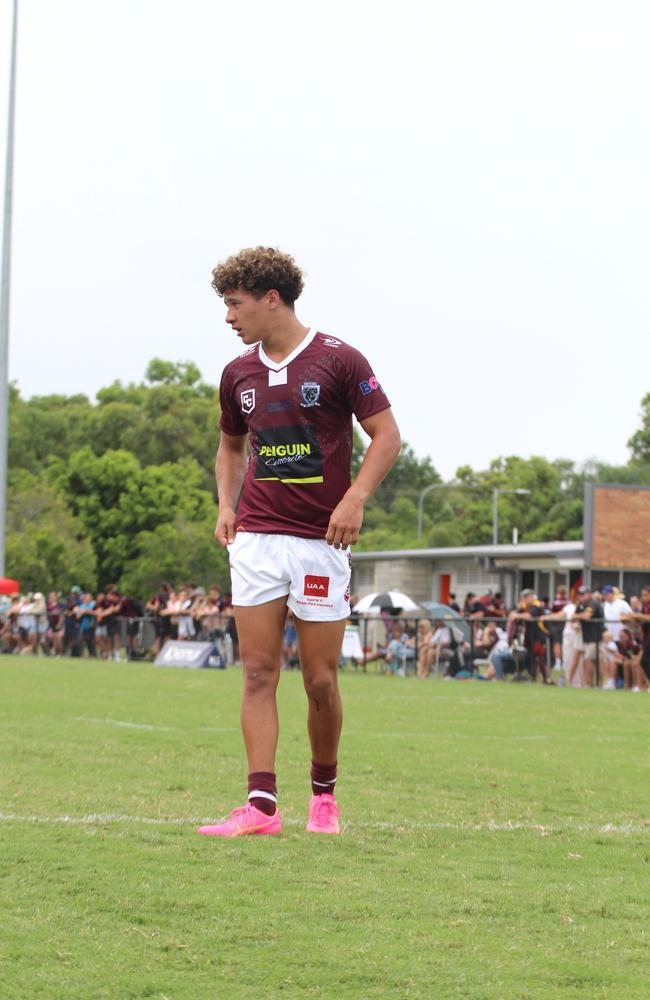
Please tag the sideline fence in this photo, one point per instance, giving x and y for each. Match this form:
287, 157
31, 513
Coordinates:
469, 628
138, 638
130, 638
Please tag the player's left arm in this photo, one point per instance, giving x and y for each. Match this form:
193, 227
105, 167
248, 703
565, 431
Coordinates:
385, 444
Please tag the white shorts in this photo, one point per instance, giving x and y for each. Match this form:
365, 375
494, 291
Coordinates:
185, 627
312, 575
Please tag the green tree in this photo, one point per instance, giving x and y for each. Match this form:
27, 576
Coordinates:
172, 372
461, 513
116, 499
639, 443
175, 416
172, 416
408, 476
634, 474
47, 548
179, 551
46, 425
551, 509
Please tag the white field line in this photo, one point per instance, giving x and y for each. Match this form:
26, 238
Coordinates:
150, 728
147, 727
404, 734
381, 733
122, 725
103, 819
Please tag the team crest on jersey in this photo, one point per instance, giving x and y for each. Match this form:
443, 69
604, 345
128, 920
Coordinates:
310, 393
248, 400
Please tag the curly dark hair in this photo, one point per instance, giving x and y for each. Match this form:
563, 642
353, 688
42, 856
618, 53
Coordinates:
257, 270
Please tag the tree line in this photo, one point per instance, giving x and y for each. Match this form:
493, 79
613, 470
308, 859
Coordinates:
121, 489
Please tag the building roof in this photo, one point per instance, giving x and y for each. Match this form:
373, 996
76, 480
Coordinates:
501, 554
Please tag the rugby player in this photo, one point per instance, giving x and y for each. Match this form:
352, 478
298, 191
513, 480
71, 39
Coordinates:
288, 513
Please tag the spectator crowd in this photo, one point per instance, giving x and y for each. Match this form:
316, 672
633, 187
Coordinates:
578, 639
110, 625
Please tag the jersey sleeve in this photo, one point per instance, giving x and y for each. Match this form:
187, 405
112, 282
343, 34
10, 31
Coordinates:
232, 421
363, 391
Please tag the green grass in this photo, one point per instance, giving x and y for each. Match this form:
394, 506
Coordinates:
496, 841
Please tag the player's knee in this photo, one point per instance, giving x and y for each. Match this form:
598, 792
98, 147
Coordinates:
321, 685
260, 672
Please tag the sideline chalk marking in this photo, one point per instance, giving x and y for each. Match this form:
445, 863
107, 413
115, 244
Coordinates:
380, 734
122, 725
101, 819
149, 728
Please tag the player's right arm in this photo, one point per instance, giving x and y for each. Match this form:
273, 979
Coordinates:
229, 469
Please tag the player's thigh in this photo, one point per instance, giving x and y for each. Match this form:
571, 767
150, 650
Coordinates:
320, 645
320, 580
261, 630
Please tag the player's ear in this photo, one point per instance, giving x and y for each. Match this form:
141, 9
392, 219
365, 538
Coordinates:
273, 298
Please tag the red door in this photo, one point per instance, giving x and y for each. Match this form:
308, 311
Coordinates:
445, 588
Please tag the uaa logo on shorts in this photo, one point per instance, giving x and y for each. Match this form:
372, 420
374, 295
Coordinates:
310, 393
248, 400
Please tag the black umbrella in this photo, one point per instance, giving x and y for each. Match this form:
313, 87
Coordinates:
388, 600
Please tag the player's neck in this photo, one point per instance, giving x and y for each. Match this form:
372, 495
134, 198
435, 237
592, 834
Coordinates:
281, 341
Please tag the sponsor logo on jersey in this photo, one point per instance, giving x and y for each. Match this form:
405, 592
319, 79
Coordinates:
279, 406
248, 400
317, 586
369, 385
285, 450
291, 454
331, 342
310, 392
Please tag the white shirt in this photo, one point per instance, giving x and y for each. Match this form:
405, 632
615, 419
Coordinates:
568, 611
441, 635
26, 619
613, 611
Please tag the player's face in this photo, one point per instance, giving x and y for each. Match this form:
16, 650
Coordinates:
247, 315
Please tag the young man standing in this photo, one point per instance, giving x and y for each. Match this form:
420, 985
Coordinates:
588, 608
290, 397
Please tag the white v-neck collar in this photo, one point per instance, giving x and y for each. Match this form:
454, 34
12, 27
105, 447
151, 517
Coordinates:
277, 366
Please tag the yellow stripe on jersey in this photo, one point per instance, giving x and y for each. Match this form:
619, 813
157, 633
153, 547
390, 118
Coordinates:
268, 479
310, 479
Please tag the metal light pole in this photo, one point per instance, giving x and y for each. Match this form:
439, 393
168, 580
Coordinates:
495, 510
437, 486
4, 295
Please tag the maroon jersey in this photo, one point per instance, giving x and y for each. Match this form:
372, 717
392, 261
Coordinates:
299, 415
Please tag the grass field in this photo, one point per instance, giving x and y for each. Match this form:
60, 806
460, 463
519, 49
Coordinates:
496, 841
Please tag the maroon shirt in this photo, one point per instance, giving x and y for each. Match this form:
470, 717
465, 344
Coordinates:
299, 415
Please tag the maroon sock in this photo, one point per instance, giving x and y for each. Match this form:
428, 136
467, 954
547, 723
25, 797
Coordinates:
263, 791
323, 778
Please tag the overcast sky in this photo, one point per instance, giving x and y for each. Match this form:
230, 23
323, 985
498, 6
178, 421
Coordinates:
466, 184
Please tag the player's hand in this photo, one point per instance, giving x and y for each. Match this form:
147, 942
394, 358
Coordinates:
225, 529
345, 523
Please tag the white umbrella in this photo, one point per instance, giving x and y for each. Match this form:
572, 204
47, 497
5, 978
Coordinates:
389, 599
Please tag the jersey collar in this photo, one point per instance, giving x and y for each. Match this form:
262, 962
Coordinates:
277, 366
